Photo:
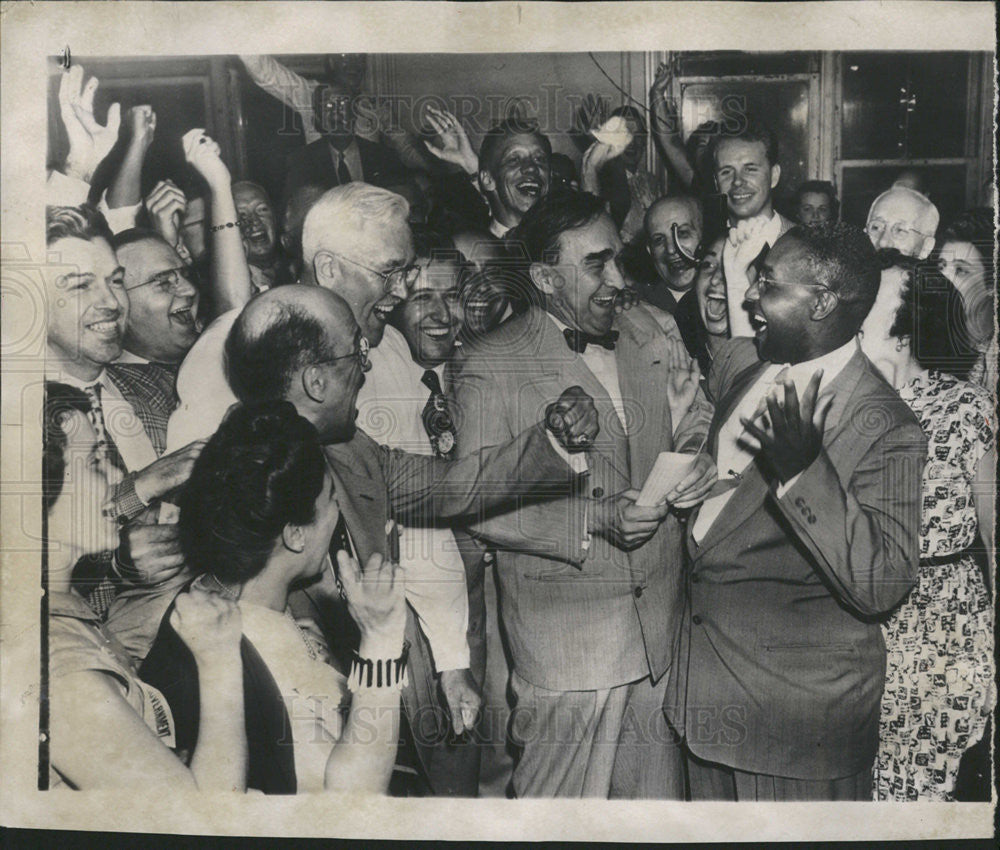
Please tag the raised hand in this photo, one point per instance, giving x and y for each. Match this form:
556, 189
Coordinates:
683, 380
376, 600
590, 114
661, 83
205, 156
454, 144
623, 523
209, 624
89, 142
462, 697
142, 123
794, 437
166, 205
572, 419
744, 244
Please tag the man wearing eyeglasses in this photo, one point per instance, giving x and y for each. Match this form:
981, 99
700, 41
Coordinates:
810, 535
905, 220
357, 240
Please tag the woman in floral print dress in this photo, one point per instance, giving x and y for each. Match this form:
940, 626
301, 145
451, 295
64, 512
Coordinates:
939, 641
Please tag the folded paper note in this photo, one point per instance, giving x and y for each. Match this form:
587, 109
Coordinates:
668, 471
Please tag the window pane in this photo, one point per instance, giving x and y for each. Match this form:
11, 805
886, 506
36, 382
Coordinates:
872, 114
944, 183
938, 84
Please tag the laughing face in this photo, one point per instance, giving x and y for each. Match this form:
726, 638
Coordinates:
520, 177
781, 303
375, 251
260, 234
710, 287
671, 266
87, 305
745, 177
163, 319
431, 317
584, 285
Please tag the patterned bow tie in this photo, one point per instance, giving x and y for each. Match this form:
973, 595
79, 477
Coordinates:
578, 340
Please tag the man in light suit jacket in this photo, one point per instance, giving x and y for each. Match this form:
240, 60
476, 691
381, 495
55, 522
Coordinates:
302, 343
590, 584
812, 536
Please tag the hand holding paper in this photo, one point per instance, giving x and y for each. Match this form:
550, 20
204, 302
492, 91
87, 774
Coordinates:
682, 480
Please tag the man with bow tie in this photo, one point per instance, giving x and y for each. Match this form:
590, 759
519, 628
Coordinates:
591, 583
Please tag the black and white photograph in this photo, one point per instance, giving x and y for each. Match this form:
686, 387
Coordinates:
569, 415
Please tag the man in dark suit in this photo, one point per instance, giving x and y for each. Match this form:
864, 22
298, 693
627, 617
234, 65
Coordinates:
302, 343
590, 584
340, 156
811, 536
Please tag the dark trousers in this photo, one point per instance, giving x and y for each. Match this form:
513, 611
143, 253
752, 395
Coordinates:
712, 781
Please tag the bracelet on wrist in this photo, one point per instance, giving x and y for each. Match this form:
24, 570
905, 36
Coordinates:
216, 227
378, 674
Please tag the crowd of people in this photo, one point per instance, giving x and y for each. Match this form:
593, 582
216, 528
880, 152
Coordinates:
346, 489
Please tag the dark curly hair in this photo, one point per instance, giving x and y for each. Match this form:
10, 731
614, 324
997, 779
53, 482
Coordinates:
61, 400
932, 315
261, 470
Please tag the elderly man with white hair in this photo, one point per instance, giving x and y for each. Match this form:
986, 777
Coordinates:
903, 219
357, 242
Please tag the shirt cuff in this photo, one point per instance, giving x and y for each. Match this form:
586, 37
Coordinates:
124, 504
120, 218
451, 658
784, 488
62, 190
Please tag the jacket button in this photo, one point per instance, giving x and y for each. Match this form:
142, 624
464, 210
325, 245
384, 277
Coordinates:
637, 592
488, 557
812, 519
597, 492
696, 620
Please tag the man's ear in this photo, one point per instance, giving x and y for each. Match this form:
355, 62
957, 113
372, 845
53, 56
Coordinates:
542, 276
775, 174
486, 181
293, 537
825, 303
314, 383
325, 266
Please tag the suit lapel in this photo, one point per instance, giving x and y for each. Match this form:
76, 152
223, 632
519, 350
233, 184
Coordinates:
753, 487
652, 432
563, 369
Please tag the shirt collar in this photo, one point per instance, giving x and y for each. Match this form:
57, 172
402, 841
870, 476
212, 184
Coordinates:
338, 154
73, 381
832, 363
70, 605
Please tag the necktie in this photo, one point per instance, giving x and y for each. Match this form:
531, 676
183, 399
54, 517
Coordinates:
105, 445
343, 172
578, 340
437, 418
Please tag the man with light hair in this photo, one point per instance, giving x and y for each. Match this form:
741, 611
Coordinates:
357, 241
903, 219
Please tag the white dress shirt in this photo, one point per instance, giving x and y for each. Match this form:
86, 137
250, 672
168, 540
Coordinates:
63, 190
390, 408
352, 159
734, 453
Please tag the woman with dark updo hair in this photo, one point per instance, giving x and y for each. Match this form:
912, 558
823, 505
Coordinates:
257, 517
108, 728
939, 640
